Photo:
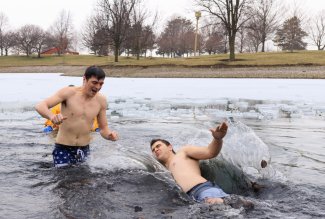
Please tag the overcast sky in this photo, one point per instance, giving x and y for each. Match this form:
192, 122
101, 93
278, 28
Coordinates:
45, 12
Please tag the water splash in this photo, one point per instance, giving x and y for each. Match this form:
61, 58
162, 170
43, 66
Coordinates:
244, 161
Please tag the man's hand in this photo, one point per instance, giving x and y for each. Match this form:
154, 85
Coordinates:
113, 136
220, 131
57, 119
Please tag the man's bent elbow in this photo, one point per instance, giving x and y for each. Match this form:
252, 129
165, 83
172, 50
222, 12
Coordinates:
40, 108
37, 107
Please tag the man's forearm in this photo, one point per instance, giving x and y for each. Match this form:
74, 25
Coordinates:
43, 110
215, 146
106, 133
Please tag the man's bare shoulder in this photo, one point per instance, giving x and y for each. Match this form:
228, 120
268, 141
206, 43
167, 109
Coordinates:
185, 148
101, 98
68, 91
193, 151
61, 95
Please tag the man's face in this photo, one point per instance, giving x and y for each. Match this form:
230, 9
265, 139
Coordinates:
161, 151
93, 85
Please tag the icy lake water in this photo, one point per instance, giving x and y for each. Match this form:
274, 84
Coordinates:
282, 121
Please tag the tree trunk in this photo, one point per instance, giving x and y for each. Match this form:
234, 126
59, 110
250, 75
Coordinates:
138, 47
263, 46
116, 49
232, 48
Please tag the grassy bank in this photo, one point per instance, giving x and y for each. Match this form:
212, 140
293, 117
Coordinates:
303, 58
305, 64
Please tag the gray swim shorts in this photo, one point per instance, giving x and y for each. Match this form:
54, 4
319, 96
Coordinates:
206, 190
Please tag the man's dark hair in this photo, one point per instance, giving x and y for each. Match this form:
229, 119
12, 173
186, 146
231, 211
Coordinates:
162, 140
94, 71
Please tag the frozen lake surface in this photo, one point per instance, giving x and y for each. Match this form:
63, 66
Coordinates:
31, 87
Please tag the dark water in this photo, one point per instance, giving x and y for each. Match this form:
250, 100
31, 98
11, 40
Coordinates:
122, 180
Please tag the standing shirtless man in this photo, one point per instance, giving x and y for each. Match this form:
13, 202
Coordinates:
79, 107
184, 166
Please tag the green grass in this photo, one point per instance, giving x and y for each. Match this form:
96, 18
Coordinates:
316, 58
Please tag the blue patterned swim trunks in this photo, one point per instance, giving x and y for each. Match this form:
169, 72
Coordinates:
64, 155
206, 190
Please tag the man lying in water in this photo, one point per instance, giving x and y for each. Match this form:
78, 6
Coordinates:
184, 166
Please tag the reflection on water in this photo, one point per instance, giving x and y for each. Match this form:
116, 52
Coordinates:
122, 180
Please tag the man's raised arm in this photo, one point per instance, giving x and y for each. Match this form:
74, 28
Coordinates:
213, 149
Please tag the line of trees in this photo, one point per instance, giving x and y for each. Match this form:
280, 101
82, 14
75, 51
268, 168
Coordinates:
32, 39
126, 26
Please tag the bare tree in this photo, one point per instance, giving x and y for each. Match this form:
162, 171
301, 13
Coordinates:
27, 37
62, 32
213, 34
138, 17
117, 14
254, 34
149, 39
3, 27
317, 30
9, 41
177, 38
231, 13
186, 38
141, 32
167, 42
41, 38
163, 46
248, 39
242, 39
264, 21
95, 35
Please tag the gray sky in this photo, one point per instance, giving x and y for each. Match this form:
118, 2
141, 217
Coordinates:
45, 12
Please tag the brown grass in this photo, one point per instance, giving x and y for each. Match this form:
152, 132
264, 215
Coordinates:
305, 64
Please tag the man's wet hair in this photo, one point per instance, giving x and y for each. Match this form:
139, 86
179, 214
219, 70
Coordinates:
94, 71
162, 140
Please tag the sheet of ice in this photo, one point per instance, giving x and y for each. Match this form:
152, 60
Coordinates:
34, 87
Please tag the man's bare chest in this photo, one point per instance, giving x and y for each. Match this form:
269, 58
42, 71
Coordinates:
79, 108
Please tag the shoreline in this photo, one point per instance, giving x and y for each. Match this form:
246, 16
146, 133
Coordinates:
290, 72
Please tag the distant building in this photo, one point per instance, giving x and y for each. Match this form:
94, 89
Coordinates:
54, 51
